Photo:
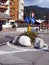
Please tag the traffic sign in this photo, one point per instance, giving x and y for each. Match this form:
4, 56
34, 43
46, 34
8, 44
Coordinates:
32, 20
27, 20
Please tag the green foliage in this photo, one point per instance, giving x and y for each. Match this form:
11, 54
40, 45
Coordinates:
32, 35
39, 12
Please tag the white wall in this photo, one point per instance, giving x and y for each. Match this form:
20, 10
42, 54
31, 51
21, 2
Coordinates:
8, 8
21, 9
24, 29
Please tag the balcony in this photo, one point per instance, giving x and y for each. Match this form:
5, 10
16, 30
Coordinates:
12, 6
1, 10
3, 1
3, 6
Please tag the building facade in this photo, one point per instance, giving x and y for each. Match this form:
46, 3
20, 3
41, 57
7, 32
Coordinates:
14, 8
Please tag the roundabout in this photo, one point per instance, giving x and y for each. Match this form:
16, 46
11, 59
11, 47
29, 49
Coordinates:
10, 49
12, 54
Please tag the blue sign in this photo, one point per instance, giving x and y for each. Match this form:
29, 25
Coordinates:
32, 20
27, 20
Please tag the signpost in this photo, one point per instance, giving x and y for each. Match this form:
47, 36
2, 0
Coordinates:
30, 20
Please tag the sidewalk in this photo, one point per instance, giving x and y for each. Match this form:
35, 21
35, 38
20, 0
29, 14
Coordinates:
8, 30
18, 30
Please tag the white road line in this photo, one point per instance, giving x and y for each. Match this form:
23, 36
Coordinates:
13, 46
20, 50
4, 52
23, 48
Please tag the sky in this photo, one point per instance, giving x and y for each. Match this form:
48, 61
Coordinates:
41, 3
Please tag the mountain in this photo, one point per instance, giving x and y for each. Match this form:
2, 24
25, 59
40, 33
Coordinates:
40, 13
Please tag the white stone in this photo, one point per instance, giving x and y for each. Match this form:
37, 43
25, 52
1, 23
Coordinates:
24, 40
39, 43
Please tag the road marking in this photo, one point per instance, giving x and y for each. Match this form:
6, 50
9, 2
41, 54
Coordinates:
20, 50
3, 52
23, 49
45, 48
12, 46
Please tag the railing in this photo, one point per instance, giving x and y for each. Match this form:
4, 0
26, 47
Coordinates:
3, 6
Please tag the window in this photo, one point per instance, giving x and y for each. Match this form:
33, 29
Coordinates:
11, 23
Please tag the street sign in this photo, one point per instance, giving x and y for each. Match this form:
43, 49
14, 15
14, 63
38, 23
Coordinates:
27, 20
32, 20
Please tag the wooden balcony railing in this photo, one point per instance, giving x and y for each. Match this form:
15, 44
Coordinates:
3, 6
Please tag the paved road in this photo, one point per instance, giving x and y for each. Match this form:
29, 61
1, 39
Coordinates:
4, 37
45, 37
15, 55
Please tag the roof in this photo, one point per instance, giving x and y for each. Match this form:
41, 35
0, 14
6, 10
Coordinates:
4, 16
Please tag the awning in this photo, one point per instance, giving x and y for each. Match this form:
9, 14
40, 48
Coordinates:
4, 16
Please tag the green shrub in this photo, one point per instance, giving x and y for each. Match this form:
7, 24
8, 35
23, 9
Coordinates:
32, 35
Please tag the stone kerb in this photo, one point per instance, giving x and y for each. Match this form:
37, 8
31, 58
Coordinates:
24, 29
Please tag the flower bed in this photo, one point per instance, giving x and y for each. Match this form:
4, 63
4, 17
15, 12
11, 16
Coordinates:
32, 35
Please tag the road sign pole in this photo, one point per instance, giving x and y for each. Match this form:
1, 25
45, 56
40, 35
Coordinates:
29, 28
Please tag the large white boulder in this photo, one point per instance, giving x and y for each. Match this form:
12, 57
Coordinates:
39, 43
24, 40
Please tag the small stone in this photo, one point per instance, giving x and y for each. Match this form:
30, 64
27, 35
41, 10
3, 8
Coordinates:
39, 43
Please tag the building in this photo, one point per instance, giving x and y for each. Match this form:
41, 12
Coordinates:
13, 8
3, 16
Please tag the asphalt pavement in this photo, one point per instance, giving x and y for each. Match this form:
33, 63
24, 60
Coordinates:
16, 55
